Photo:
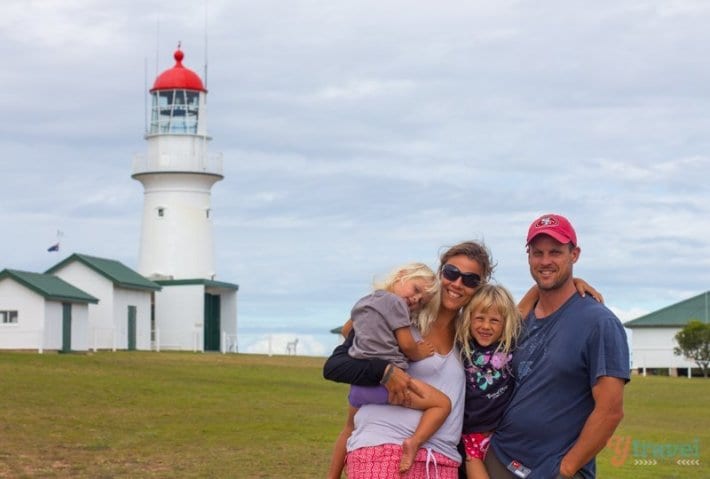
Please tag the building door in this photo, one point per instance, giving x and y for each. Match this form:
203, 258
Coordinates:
131, 328
66, 327
212, 326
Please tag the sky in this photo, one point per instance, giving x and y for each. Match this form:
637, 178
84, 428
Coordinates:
360, 135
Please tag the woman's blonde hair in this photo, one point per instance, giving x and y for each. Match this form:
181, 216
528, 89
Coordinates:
413, 271
486, 297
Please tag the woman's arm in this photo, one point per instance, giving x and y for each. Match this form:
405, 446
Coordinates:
527, 302
583, 288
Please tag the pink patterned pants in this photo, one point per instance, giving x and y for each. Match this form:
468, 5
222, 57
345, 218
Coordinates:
382, 462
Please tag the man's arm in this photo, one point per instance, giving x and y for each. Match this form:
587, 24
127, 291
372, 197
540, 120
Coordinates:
608, 411
340, 367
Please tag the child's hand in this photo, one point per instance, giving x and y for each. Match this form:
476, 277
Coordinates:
424, 350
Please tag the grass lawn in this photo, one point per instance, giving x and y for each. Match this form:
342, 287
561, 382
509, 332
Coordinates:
150, 415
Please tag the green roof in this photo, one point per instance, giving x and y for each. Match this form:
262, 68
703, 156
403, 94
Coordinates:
206, 282
676, 315
49, 286
116, 272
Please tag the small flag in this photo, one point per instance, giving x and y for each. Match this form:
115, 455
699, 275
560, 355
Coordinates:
54, 247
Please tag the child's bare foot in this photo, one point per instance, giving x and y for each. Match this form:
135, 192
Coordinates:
409, 452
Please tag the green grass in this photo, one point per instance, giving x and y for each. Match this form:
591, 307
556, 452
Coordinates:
155, 415
111, 415
662, 415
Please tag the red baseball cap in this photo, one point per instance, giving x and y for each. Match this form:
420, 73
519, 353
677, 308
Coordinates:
556, 226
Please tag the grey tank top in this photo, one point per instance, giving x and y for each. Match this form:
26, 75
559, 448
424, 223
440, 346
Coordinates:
377, 424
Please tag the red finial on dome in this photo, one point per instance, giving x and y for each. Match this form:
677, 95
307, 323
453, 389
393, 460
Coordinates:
178, 77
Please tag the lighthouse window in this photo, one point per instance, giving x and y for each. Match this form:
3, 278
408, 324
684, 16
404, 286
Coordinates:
161, 212
175, 111
207, 212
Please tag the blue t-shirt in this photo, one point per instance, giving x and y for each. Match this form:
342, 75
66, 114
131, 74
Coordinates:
557, 362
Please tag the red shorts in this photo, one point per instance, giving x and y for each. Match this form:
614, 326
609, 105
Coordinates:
476, 444
382, 462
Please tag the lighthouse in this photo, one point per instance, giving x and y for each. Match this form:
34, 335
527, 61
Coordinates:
193, 310
177, 174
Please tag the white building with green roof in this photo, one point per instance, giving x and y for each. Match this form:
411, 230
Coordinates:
122, 319
654, 334
41, 311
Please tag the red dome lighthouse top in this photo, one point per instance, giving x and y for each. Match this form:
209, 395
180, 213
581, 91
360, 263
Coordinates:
178, 77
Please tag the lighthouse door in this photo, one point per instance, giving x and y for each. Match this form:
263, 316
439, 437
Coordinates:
212, 322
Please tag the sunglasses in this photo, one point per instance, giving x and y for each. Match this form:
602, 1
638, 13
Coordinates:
452, 273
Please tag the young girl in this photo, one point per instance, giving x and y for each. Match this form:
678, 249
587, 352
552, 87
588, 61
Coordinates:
487, 334
381, 321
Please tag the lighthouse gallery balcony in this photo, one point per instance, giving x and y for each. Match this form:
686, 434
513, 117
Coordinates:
178, 163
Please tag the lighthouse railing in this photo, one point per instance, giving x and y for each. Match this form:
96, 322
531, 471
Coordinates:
178, 162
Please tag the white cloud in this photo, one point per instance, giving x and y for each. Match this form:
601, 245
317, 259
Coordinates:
361, 89
626, 315
360, 134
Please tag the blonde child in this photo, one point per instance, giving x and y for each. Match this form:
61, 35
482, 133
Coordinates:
491, 324
382, 321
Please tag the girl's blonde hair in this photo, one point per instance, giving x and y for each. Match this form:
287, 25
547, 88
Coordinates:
414, 271
486, 297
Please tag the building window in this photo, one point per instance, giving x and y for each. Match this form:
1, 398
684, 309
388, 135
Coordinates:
8, 317
161, 212
207, 212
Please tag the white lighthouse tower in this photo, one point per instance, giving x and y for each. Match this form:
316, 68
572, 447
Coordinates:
193, 310
177, 174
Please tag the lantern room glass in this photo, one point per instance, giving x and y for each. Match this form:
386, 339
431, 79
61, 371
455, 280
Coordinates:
175, 112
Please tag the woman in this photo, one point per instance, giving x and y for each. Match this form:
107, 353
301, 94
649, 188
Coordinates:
379, 430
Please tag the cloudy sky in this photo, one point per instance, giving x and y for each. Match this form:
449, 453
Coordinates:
358, 135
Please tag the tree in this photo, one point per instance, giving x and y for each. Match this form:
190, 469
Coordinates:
694, 343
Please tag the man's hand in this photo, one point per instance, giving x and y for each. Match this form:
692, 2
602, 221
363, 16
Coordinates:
397, 384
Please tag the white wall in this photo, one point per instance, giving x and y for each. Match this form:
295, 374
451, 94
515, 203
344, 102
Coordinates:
28, 332
228, 312
101, 321
141, 300
179, 317
53, 325
178, 244
79, 327
653, 348
39, 322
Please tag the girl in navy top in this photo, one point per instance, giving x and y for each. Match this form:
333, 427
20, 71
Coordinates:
487, 334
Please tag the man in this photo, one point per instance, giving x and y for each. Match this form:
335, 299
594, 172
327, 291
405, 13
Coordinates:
571, 365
